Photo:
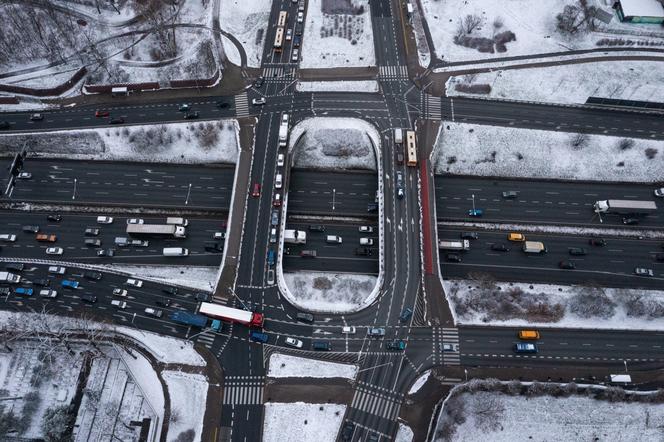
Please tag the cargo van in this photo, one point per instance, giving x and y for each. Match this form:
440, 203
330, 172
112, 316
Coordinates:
529, 334
534, 247
175, 251
177, 221
279, 181
333, 239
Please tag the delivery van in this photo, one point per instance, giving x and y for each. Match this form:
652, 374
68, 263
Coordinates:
175, 251
333, 239
177, 221
534, 247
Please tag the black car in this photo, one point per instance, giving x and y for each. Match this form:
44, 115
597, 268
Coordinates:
567, 265
510, 194
92, 275
109, 253
659, 257
191, 115
469, 235
363, 251
54, 217
223, 105
164, 302
116, 121
90, 242
5, 291
305, 317
453, 257
4, 125
214, 247
297, 41
500, 248
90, 299
577, 251
372, 207
16, 266
348, 430
405, 314
259, 82
41, 282
203, 297
630, 221
316, 228
170, 290
31, 229
598, 242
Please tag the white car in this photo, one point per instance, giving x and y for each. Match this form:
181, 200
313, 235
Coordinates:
119, 304
348, 330
219, 235
366, 241
58, 270
366, 229
296, 55
294, 342
641, 271
280, 160
135, 221
300, 17
154, 312
8, 237
273, 235
659, 192
119, 292
134, 282
289, 34
450, 347
54, 251
46, 293
258, 101
24, 176
105, 219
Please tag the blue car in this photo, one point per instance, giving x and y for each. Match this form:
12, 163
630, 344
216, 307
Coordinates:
23, 291
271, 257
69, 284
258, 337
476, 212
525, 347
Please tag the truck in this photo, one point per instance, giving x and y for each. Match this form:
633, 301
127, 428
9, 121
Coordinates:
10, 278
295, 236
245, 317
625, 207
283, 134
188, 318
157, 229
453, 244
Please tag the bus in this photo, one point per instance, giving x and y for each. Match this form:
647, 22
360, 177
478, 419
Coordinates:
279, 39
283, 15
411, 148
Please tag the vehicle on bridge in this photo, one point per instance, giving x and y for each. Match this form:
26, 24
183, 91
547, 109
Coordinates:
451, 244
283, 130
10, 278
224, 313
295, 236
625, 207
157, 229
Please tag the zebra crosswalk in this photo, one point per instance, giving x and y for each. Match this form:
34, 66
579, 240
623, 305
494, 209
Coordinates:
393, 72
243, 390
432, 107
206, 338
376, 401
278, 73
242, 105
451, 355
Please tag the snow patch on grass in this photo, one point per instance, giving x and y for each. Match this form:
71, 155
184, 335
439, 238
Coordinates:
404, 434
188, 394
286, 366
246, 19
194, 277
299, 421
419, 382
330, 292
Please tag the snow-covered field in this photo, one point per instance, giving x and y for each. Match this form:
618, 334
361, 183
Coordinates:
338, 39
195, 277
188, 394
334, 143
302, 422
286, 366
203, 142
499, 417
533, 23
330, 292
337, 86
419, 382
404, 433
245, 19
574, 83
471, 149
546, 305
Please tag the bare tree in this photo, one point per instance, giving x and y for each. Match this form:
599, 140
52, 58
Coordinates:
470, 22
579, 141
570, 20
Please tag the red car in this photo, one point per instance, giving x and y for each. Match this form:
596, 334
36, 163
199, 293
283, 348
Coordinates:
256, 191
102, 113
277, 200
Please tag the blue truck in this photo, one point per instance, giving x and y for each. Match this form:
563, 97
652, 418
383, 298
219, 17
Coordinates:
189, 318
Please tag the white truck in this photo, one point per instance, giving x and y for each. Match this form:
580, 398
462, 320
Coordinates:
450, 244
283, 134
157, 229
625, 207
295, 236
10, 278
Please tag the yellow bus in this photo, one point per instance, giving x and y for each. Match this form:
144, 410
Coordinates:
411, 148
279, 39
283, 15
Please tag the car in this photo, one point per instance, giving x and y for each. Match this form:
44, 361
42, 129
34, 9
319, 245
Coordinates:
399, 157
271, 257
300, 17
297, 41
316, 228
104, 220
277, 200
405, 314
289, 34
497, 247
273, 235
567, 265
120, 292
139, 242
57, 270
295, 55
54, 251
24, 176
31, 229
469, 235
274, 218
219, 235
119, 304
191, 115
36, 117
5, 291
453, 257
363, 251
258, 101
395, 345
223, 105
375, 331
305, 317
69, 283
518, 237
7, 237
92, 242
347, 431
576, 251
164, 302
108, 253
510, 194
630, 221
41, 282
17, 266
201, 297
256, 190
135, 221
476, 212
280, 160
90, 299
308, 253
45, 237
454, 348
258, 337
4, 125
659, 257
321, 346
183, 108
366, 241
641, 271
372, 207
365, 229
259, 82
92, 275
212, 246
294, 342
24, 291
91, 231
597, 242
134, 282
525, 347
154, 312
659, 192
48, 293
118, 120
102, 113
56, 218
270, 277
170, 290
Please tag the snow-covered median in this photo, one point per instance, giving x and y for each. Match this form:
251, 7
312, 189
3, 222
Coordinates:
337, 86
484, 301
200, 142
470, 149
188, 393
286, 366
302, 422
419, 382
330, 292
197, 278
572, 83
340, 36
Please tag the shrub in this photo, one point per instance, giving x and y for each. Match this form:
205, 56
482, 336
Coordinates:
651, 152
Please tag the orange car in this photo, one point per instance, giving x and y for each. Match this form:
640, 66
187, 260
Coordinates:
46, 237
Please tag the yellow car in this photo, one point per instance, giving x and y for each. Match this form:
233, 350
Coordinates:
516, 237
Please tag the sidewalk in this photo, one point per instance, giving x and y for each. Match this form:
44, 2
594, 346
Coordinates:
215, 395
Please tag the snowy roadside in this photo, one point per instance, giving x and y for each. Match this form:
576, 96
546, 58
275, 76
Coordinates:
194, 277
581, 231
470, 149
337, 86
286, 366
404, 434
188, 393
299, 421
246, 20
487, 302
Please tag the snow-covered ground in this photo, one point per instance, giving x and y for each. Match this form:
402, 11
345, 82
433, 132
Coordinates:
286, 366
499, 417
337, 86
331, 292
194, 277
302, 422
201, 142
471, 149
188, 393
334, 143
533, 23
404, 433
573, 83
339, 39
546, 305
423, 50
419, 382
245, 19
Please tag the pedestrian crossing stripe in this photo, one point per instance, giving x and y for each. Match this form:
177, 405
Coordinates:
393, 72
243, 394
242, 105
432, 108
376, 404
278, 73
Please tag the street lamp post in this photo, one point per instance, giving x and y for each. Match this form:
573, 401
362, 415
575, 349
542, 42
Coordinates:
334, 194
186, 200
473, 197
73, 196
625, 362
465, 370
